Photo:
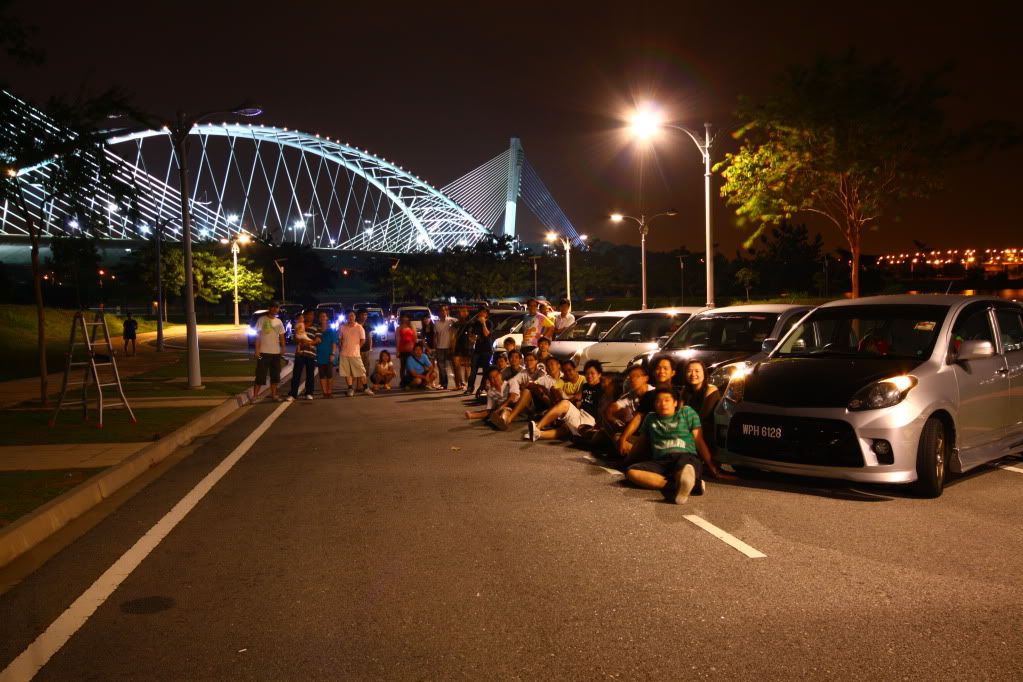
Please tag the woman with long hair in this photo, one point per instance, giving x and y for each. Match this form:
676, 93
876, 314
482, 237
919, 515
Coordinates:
702, 396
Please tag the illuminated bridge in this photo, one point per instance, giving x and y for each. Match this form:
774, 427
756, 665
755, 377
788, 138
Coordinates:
287, 185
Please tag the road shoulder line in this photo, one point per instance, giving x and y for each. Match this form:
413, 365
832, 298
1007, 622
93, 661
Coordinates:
724, 537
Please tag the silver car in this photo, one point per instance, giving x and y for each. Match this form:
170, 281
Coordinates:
890, 389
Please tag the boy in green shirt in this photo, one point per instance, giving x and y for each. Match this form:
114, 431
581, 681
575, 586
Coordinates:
671, 437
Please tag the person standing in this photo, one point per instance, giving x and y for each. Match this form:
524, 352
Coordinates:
535, 326
269, 350
443, 331
129, 328
306, 339
354, 372
362, 317
565, 318
404, 341
326, 352
463, 349
482, 348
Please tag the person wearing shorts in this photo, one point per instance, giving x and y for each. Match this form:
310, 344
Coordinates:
499, 398
326, 351
269, 349
352, 335
575, 420
672, 441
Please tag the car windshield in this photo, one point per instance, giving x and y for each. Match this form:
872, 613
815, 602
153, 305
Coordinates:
416, 315
374, 319
507, 324
588, 329
897, 331
737, 331
645, 327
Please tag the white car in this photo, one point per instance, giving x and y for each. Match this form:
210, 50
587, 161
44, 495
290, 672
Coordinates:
586, 331
635, 333
416, 314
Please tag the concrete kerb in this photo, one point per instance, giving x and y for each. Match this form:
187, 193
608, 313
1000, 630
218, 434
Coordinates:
32, 529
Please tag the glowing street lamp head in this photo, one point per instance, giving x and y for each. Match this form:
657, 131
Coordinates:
617, 217
232, 218
644, 123
551, 236
244, 238
583, 237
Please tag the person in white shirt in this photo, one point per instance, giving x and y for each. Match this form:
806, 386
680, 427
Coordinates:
269, 350
499, 398
535, 325
534, 376
352, 336
443, 339
565, 318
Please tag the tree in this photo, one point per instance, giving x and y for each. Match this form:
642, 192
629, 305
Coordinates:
73, 257
786, 258
747, 277
842, 139
70, 149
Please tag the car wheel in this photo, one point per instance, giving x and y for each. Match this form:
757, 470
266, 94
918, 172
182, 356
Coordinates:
931, 459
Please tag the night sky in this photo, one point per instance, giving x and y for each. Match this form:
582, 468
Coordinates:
440, 87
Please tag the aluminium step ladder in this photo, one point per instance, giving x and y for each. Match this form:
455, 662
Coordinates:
88, 354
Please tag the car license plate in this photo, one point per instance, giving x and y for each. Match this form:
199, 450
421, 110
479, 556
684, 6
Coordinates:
762, 431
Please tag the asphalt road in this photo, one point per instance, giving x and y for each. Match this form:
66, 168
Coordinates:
387, 538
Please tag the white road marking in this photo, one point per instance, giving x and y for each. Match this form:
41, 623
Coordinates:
1011, 468
726, 538
613, 472
32, 659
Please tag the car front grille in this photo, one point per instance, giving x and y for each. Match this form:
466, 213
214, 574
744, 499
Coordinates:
796, 440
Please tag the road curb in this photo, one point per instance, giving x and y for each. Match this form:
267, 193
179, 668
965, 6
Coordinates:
32, 529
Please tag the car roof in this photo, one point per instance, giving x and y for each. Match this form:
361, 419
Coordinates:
413, 307
756, 308
607, 313
692, 310
910, 299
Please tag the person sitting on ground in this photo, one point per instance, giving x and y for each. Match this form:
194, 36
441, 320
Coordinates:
499, 397
514, 366
670, 454
404, 341
509, 345
576, 419
662, 372
129, 329
565, 318
383, 373
702, 396
326, 351
543, 393
626, 414
571, 382
533, 374
543, 350
420, 372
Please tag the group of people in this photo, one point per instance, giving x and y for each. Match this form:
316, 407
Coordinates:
659, 432
657, 428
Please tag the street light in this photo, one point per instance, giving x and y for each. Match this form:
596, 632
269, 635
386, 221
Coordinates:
279, 262
567, 243
239, 239
645, 123
179, 135
644, 228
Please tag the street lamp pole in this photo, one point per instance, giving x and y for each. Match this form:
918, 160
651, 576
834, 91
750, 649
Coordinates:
234, 254
567, 243
279, 262
536, 290
644, 229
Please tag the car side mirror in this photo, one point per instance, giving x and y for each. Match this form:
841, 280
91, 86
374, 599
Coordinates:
768, 345
661, 340
975, 350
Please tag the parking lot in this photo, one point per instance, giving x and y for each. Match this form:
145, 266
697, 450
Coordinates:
386, 537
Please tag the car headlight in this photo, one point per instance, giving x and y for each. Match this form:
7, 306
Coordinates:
335, 325
380, 330
736, 390
721, 376
251, 331
884, 393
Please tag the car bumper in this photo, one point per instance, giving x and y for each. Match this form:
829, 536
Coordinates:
832, 442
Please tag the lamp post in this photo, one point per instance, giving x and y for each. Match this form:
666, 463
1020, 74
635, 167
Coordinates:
179, 135
644, 124
644, 228
567, 243
536, 290
239, 239
279, 262
682, 278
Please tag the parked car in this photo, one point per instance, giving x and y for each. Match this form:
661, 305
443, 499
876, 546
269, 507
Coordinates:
376, 323
888, 389
500, 319
416, 315
335, 310
288, 313
357, 307
507, 304
724, 339
634, 334
589, 328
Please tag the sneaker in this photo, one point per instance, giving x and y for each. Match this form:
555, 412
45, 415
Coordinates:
291, 398
533, 433
308, 396
525, 436
685, 479
701, 488
369, 391
351, 393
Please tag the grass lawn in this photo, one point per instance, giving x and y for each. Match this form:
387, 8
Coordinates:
139, 388
28, 427
18, 343
23, 491
213, 365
